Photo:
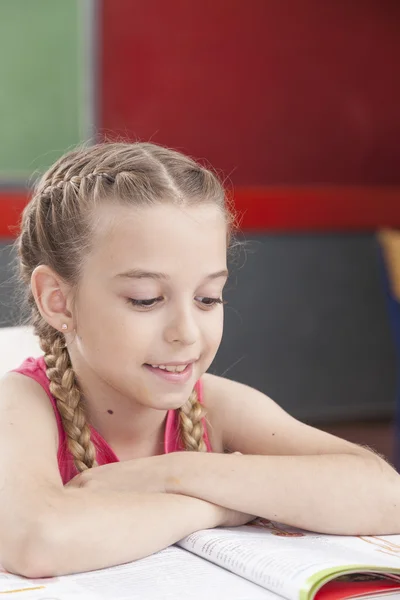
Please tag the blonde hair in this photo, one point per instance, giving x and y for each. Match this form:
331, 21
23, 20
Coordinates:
55, 230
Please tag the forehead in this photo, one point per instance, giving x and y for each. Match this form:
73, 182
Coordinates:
163, 238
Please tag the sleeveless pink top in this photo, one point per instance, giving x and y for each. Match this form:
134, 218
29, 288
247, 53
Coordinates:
36, 369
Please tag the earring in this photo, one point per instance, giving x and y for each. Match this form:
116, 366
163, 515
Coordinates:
64, 326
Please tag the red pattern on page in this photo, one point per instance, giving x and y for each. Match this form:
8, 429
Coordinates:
275, 528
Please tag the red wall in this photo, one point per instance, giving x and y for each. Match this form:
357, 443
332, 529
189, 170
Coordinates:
295, 101
269, 91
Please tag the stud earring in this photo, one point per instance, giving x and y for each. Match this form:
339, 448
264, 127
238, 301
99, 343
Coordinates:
64, 326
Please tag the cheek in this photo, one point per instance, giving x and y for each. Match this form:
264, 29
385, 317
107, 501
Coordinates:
101, 321
212, 335
214, 330
117, 334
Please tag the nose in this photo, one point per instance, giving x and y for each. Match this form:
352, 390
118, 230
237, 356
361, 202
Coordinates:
182, 327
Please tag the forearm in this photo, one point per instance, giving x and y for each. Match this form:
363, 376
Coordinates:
87, 529
340, 494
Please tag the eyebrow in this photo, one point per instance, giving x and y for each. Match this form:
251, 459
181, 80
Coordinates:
140, 274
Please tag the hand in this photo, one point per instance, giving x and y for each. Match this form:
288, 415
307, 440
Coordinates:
137, 475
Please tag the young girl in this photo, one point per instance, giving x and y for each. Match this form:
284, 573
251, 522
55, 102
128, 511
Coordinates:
123, 253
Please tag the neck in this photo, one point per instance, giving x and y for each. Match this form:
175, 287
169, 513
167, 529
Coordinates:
131, 429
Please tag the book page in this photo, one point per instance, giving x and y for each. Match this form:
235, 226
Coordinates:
376, 546
13, 586
170, 574
282, 558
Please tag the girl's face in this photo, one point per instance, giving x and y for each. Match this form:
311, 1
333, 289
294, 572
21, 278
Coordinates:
150, 294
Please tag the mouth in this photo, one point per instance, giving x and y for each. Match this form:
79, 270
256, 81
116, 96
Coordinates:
178, 368
177, 373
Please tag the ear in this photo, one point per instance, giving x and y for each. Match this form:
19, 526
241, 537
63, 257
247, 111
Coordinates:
52, 296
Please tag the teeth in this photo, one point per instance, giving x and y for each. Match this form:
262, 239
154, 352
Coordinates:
178, 369
172, 369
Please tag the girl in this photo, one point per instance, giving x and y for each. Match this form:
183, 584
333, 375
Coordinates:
123, 254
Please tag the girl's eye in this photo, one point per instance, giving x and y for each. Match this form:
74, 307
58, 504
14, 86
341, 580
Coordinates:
145, 303
209, 302
151, 302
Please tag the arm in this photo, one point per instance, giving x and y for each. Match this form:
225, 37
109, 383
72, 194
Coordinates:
87, 530
345, 494
291, 472
46, 529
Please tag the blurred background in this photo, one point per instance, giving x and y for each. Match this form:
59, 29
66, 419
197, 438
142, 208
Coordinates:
296, 104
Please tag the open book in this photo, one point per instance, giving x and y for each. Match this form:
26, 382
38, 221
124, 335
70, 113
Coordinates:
263, 560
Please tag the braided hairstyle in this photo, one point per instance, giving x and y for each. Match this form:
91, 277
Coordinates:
55, 231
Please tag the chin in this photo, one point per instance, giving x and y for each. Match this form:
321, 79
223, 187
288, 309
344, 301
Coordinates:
170, 401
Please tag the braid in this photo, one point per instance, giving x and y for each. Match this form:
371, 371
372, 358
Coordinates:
64, 387
191, 426
57, 182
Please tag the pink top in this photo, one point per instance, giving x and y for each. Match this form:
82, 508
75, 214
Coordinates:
36, 368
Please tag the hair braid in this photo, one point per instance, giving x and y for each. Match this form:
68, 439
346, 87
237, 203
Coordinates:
191, 426
65, 389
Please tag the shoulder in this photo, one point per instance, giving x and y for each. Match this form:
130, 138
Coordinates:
25, 399
221, 395
28, 450
227, 403
246, 420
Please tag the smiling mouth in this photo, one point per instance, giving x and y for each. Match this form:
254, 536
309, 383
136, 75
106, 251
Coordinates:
170, 368
172, 373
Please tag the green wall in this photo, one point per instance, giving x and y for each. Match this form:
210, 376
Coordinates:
41, 83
